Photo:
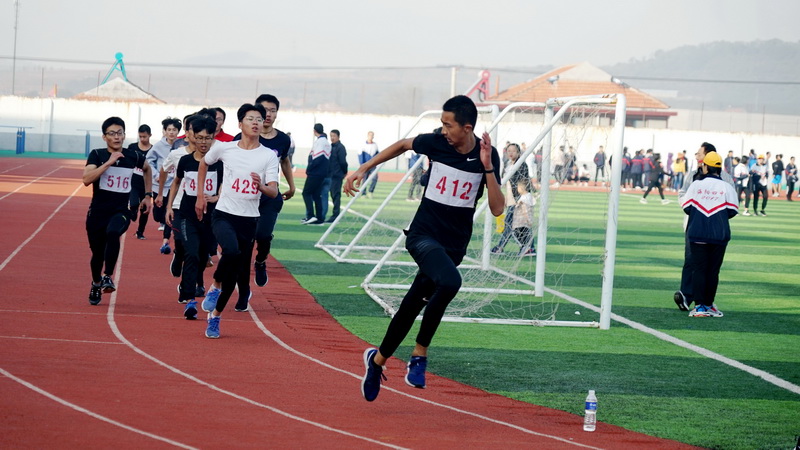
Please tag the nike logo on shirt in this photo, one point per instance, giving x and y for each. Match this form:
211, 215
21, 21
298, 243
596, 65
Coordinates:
471, 159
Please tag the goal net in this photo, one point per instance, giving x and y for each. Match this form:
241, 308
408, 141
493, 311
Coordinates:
554, 272
372, 220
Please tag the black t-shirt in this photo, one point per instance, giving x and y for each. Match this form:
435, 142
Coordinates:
187, 170
111, 191
279, 144
138, 179
456, 184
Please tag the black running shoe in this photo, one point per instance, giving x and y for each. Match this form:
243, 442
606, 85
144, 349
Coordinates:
681, 301
107, 284
140, 236
176, 266
95, 294
261, 273
200, 291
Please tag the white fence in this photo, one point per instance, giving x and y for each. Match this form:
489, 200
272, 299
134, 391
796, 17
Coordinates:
61, 125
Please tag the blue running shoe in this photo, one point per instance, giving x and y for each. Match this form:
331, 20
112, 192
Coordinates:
371, 384
190, 310
210, 302
165, 250
700, 311
212, 331
415, 371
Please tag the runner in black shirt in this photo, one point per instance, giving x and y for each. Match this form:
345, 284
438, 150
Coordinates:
460, 166
196, 234
137, 186
110, 172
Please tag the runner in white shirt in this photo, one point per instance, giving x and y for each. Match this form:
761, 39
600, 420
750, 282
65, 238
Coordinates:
250, 169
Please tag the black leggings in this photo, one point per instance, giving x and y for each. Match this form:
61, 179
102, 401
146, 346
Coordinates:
195, 238
235, 235
435, 285
655, 184
104, 231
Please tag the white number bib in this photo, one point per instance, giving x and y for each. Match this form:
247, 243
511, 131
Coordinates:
240, 186
190, 183
138, 171
116, 179
453, 187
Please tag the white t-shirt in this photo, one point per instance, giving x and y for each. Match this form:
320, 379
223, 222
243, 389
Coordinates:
237, 195
169, 166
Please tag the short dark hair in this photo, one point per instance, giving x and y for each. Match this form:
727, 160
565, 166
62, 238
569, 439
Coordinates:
210, 112
200, 122
145, 129
247, 107
221, 111
463, 109
334, 131
112, 121
708, 147
174, 121
269, 98
713, 170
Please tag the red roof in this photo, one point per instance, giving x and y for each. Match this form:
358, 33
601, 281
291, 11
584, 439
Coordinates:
573, 81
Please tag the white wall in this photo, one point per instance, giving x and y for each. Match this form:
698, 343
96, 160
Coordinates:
58, 126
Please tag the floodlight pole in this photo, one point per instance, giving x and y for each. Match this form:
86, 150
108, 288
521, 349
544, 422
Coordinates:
14, 58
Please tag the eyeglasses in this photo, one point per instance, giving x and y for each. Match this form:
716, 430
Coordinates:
115, 133
272, 110
256, 119
204, 138
219, 120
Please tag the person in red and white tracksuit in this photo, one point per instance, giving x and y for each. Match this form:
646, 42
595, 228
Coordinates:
709, 202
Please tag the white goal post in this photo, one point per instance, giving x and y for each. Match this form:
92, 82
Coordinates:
481, 261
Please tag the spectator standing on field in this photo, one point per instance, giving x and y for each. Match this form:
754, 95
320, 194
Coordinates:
600, 165
316, 173
791, 178
709, 203
368, 151
777, 175
337, 171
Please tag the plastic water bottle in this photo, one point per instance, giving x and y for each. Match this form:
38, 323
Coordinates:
590, 417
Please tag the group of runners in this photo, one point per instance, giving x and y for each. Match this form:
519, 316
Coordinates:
225, 195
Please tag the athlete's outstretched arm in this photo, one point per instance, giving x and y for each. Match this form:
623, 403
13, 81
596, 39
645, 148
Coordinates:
353, 181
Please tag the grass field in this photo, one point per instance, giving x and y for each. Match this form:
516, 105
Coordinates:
643, 383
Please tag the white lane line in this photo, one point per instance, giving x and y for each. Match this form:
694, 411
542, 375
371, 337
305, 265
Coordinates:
113, 325
90, 413
291, 349
766, 376
31, 182
14, 168
78, 341
38, 229
49, 395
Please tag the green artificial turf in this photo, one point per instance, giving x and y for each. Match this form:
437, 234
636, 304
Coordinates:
643, 383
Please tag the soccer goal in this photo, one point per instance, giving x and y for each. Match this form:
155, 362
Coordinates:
367, 225
574, 229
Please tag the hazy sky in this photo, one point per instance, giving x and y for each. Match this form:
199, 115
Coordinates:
490, 33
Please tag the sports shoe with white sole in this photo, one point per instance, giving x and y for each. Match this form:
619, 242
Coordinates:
210, 301
212, 330
415, 371
681, 301
371, 383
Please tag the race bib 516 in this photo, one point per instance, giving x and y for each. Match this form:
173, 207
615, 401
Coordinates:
190, 183
453, 187
116, 179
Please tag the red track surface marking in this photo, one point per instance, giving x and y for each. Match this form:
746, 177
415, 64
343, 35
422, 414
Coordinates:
287, 359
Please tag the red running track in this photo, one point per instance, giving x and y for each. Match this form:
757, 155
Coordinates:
132, 373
